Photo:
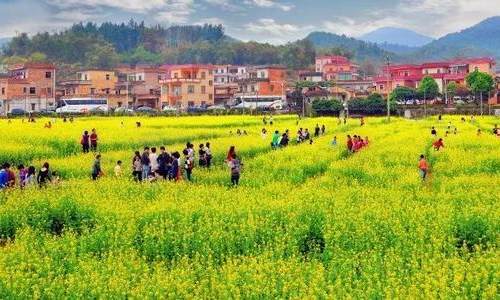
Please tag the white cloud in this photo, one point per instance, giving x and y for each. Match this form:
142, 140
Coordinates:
431, 17
270, 4
271, 31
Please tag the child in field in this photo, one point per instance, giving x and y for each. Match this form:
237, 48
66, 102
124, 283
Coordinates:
235, 167
118, 169
44, 175
438, 144
479, 132
275, 139
30, 177
208, 154
433, 131
202, 157
153, 158
334, 142
423, 167
349, 143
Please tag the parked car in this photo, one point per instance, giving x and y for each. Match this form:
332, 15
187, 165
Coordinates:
169, 109
197, 109
146, 109
123, 110
216, 107
17, 112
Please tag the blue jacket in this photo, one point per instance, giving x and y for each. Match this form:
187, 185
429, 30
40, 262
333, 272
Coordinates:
4, 178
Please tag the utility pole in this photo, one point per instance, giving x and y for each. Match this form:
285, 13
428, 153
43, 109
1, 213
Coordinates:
387, 87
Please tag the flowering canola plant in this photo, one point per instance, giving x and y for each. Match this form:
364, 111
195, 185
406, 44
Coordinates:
307, 221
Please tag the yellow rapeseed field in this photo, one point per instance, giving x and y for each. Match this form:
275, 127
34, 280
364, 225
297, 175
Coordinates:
306, 221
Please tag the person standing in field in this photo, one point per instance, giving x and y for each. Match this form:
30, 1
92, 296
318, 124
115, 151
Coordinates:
334, 141
316, 130
235, 167
202, 158
323, 129
146, 163
423, 167
175, 171
93, 140
188, 165
479, 132
284, 139
23, 172
137, 166
275, 139
438, 144
44, 175
4, 176
208, 154
85, 142
30, 177
96, 168
349, 143
163, 163
362, 121
153, 158
433, 131
230, 154
118, 169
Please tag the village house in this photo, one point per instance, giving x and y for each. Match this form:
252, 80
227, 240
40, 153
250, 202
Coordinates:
337, 68
138, 86
29, 87
188, 86
442, 72
262, 84
225, 82
89, 83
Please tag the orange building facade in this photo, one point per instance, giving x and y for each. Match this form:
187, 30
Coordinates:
188, 86
29, 87
263, 82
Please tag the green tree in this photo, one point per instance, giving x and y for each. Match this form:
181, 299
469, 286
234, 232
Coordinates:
428, 88
403, 94
102, 56
37, 57
480, 83
451, 89
328, 107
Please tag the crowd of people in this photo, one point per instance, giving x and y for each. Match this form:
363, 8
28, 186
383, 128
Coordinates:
26, 177
355, 143
151, 165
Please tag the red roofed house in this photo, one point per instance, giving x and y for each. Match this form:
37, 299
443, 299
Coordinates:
336, 67
29, 86
442, 72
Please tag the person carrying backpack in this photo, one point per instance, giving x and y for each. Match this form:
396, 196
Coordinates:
235, 167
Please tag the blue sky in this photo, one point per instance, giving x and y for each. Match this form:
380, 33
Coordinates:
274, 21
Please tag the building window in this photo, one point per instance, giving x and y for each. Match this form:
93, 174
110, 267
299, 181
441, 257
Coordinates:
48, 74
24, 90
151, 91
107, 91
176, 75
210, 83
210, 96
92, 91
140, 78
3, 91
119, 104
177, 91
107, 76
252, 88
32, 90
33, 106
190, 89
49, 91
203, 89
381, 87
203, 75
271, 88
476, 69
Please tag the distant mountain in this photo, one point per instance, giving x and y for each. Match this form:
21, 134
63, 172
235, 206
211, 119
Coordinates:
362, 50
398, 49
396, 36
482, 39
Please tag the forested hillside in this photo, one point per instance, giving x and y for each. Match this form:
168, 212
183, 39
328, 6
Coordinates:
108, 44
